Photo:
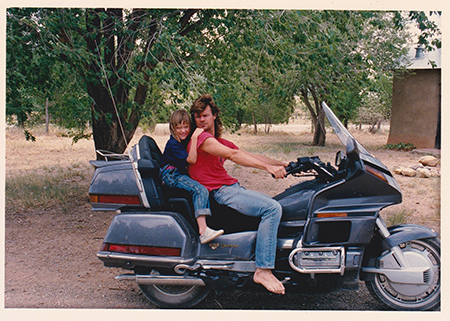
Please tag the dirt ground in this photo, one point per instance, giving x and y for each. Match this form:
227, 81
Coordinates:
50, 251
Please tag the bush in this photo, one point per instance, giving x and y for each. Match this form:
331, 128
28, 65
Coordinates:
401, 146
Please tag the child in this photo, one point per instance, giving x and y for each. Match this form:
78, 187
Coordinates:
174, 172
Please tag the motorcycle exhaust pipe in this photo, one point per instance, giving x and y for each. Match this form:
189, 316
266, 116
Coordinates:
161, 280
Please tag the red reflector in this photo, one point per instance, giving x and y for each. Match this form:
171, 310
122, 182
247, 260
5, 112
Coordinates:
116, 199
145, 250
327, 215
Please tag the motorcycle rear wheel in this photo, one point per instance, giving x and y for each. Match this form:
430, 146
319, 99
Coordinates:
174, 296
408, 297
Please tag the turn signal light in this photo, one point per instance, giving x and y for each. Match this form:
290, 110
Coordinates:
376, 172
143, 250
115, 199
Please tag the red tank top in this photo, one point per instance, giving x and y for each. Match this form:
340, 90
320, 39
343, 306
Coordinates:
209, 170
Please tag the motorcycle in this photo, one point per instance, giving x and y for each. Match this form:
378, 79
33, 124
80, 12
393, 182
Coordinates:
330, 237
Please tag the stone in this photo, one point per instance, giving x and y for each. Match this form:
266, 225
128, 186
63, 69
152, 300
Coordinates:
423, 173
398, 170
408, 172
415, 167
429, 161
435, 172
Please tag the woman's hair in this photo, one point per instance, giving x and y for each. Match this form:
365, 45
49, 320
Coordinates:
178, 116
199, 106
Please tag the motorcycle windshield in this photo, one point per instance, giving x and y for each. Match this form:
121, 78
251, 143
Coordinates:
343, 135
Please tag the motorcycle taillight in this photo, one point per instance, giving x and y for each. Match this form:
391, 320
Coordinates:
143, 250
116, 199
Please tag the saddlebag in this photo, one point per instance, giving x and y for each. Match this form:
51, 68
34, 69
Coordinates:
156, 239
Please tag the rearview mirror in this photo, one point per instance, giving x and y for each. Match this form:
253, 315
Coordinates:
340, 158
352, 148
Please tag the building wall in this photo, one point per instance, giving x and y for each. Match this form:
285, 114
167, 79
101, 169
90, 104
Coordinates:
416, 101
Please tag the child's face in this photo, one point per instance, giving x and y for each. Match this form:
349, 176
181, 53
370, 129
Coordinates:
182, 130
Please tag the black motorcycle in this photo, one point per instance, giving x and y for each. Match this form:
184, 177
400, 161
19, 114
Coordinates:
330, 237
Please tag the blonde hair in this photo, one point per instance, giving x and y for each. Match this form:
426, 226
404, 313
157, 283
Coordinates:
178, 116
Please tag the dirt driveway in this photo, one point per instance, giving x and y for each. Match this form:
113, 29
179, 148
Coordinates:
50, 252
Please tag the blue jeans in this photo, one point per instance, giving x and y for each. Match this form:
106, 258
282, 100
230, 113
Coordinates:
255, 204
200, 195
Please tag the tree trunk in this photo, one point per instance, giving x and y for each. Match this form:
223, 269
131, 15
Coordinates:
319, 129
111, 130
317, 116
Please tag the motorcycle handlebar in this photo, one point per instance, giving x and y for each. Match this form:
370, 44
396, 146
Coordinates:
305, 164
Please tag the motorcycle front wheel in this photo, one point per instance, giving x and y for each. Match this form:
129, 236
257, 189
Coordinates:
411, 297
174, 296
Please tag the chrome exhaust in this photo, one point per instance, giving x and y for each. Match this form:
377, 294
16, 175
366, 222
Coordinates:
161, 280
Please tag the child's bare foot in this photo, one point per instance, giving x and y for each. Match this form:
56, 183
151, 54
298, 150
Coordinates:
268, 280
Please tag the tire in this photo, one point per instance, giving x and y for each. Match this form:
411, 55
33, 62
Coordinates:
408, 297
174, 296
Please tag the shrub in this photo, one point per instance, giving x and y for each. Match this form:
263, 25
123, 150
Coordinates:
401, 146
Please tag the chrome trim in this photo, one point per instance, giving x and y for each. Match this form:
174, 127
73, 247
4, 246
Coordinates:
110, 256
161, 279
293, 223
405, 275
106, 154
285, 244
383, 228
238, 266
138, 177
340, 270
126, 277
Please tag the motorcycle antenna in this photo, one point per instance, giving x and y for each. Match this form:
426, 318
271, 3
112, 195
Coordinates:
110, 93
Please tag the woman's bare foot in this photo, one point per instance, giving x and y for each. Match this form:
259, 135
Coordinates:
268, 280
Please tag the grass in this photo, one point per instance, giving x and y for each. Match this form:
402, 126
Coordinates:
397, 217
55, 186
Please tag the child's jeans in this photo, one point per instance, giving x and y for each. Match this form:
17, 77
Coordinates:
171, 177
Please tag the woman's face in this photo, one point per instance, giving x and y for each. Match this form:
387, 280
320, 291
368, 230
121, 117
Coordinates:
182, 130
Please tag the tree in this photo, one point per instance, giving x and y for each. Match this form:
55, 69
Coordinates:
121, 52
242, 69
34, 75
122, 65
319, 55
340, 61
115, 53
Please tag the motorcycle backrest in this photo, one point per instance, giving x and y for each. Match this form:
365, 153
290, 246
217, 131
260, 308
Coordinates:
148, 165
148, 149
